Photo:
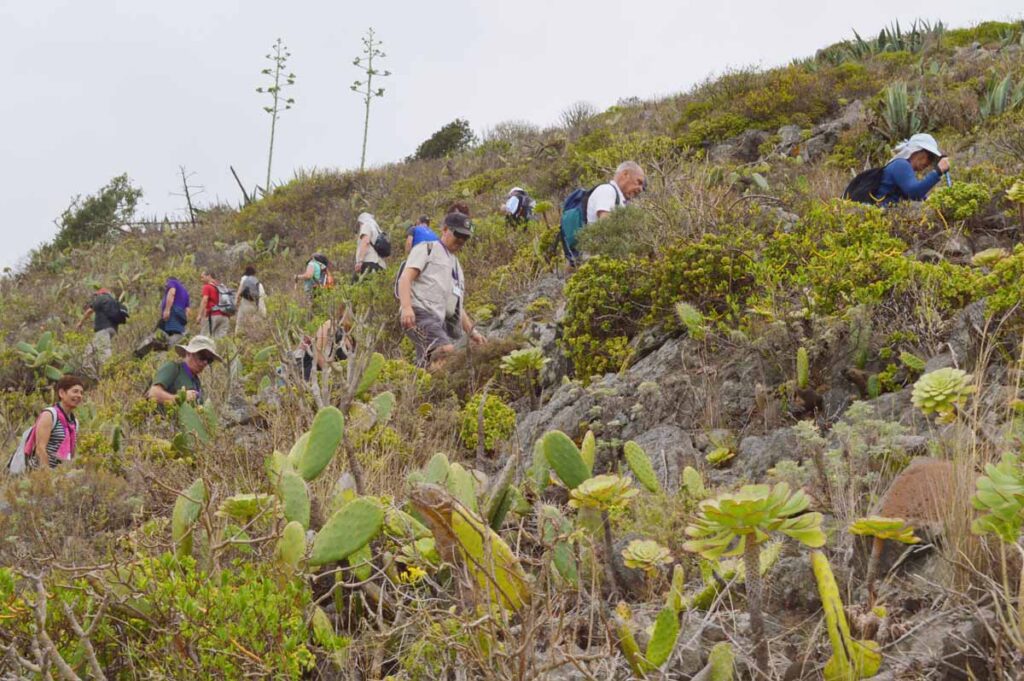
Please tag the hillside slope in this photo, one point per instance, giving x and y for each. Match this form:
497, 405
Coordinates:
738, 324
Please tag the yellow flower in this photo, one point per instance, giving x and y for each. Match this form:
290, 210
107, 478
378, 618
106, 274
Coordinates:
412, 575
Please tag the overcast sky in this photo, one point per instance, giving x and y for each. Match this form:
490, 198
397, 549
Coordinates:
96, 88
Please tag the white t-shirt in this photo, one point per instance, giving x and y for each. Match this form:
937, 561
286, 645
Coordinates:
603, 199
441, 285
370, 229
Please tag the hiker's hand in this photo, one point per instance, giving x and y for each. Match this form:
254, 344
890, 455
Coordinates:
166, 315
477, 337
943, 165
407, 317
358, 267
191, 395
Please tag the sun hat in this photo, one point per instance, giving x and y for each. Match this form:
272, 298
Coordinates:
922, 141
516, 189
459, 224
198, 344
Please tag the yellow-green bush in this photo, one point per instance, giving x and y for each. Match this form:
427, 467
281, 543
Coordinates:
606, 301
961, 201
499, 422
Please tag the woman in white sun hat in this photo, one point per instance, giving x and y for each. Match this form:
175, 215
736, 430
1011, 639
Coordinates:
900, 176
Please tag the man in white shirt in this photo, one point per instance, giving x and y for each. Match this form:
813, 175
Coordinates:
431, 294
628, 182
367, 258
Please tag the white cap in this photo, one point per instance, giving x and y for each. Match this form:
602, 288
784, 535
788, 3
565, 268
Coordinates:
920, 141
516, 189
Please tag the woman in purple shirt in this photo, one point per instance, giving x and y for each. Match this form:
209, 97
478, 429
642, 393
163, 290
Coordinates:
174, 308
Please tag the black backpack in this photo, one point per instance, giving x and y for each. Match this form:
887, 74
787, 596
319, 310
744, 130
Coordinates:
382, 244
524, 211
864, 187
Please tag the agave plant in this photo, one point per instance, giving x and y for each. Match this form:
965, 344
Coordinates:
941, 392
1000, 97
899, 118
737, 524
881, 528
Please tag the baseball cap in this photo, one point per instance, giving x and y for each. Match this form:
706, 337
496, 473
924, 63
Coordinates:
459, 224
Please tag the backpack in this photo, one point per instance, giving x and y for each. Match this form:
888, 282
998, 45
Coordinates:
225, 301
122, 314
524, 211
251, 289
382, 244
18, 463
574, 218
401, 268
324, 280
864, 187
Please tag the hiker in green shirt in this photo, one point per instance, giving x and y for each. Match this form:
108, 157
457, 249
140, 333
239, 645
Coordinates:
173, 377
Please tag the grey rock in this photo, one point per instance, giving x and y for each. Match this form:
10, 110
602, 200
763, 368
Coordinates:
914, 445
757, 454
237, 411
930, 255
939, 361
670, 449
240, 251
567, 408
790, 585
790, 137
896, 406
958, 247
968, 328
967, 649
744, 148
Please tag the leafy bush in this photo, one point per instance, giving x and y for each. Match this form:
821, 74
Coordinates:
96, 216
449, 140
499, 422
961, 201
605, 303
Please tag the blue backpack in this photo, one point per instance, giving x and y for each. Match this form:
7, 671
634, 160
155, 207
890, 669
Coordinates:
574, 218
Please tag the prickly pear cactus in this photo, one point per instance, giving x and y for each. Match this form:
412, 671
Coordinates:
292, 545
321, 444
851, 659
186, 511
291, 490
663, 638
371, 373
347, 531
640, 465
803, 368
588, 449
565, 459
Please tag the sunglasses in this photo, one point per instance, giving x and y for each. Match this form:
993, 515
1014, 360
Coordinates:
205, 356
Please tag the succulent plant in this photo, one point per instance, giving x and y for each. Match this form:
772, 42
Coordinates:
989, 256
292, 545
588, 449
912, 362
45, 356
693, 320
370, 374
851, 659
1000, 494
720, 662
602, 492
1016, 192
646, 555
184, 516
803, 368
317, 448
674, 599
881, 528
524, 362
565, 459
347, 531
659, 648
941, 392
245, 507
896, 529
693, 483
640, 465
291, 490
555, 530
197, 422
736, 524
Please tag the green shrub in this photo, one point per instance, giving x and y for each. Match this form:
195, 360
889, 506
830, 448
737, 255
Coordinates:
499, 422
606, 301
961, 201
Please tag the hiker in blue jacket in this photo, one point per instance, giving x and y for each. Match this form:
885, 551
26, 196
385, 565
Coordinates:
899, 177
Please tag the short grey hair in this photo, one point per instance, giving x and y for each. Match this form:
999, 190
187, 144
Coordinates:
628, 167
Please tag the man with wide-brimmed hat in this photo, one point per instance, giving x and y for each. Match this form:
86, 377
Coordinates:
173, 377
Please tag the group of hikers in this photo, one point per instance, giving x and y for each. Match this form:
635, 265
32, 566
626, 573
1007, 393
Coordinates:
430, 286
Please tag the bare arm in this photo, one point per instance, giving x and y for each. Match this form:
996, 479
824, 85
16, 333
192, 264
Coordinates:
44, 428
467, 326
201, 312
408, 244
406, 314
364, 244
169, 303
159, 394
88, 312
321, 344
308, 274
